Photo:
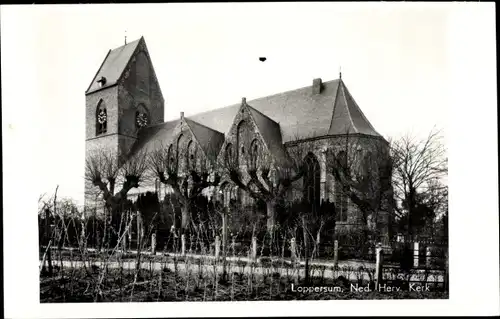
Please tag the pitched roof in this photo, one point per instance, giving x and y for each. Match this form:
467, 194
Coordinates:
347, 116
281, 118
209, 139
271, 133
113, 65
299, 113
161, 135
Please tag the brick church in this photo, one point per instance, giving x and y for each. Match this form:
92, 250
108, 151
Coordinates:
125, 113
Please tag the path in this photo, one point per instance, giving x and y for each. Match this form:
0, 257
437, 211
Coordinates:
210, 268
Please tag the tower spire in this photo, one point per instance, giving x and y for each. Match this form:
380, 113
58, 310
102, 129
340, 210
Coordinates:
340, 72
125, 37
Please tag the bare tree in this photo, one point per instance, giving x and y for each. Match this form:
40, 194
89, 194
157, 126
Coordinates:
419, 166
104, 169
187, 181
265, 176
362, 169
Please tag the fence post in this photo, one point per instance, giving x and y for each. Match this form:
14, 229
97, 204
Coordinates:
224, 232
336, 252
254, 248
129, 238
428, 257
306, 249
183, 244
217, 247
415, 254
153, 244
293, 248
378, 265
233, 243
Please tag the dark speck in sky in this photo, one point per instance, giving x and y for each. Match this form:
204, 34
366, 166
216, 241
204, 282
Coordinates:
262, 59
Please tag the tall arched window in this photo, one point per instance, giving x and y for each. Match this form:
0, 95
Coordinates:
311, 184
243, 139
170, 157
341, 191
180, 159
101, 118
367, 164
189, 155
254, 154
229, 154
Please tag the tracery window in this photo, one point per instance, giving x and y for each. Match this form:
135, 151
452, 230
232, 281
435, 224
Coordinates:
340, 190
254, 154
229, 155
311, 183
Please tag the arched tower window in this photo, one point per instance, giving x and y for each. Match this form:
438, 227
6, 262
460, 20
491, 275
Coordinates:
341, 191
311, 183
101, 118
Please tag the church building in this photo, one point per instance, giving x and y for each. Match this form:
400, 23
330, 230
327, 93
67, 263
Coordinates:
125, 112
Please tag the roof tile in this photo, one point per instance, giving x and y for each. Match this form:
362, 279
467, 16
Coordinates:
113, 66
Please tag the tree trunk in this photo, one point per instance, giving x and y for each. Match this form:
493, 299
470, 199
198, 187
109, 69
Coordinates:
186, 218
47, 241
139, 230
318, 241
224, 232
411, 204
271, 214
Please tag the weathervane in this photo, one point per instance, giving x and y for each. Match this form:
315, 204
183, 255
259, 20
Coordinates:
125, 36
340, 72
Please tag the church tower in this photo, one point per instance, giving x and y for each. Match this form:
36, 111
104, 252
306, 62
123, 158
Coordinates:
123, 97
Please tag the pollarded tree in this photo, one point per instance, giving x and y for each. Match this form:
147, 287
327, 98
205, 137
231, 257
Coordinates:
104, 169
188, 176
263, 175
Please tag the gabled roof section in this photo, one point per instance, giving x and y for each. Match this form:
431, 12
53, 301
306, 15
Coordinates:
347, 116
300, 113
271, 133
209, 139
152, 137
113, 66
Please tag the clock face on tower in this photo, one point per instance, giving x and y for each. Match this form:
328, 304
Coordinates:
141, 119
101, 117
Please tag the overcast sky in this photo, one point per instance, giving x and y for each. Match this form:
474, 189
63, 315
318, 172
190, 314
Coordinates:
394, 61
